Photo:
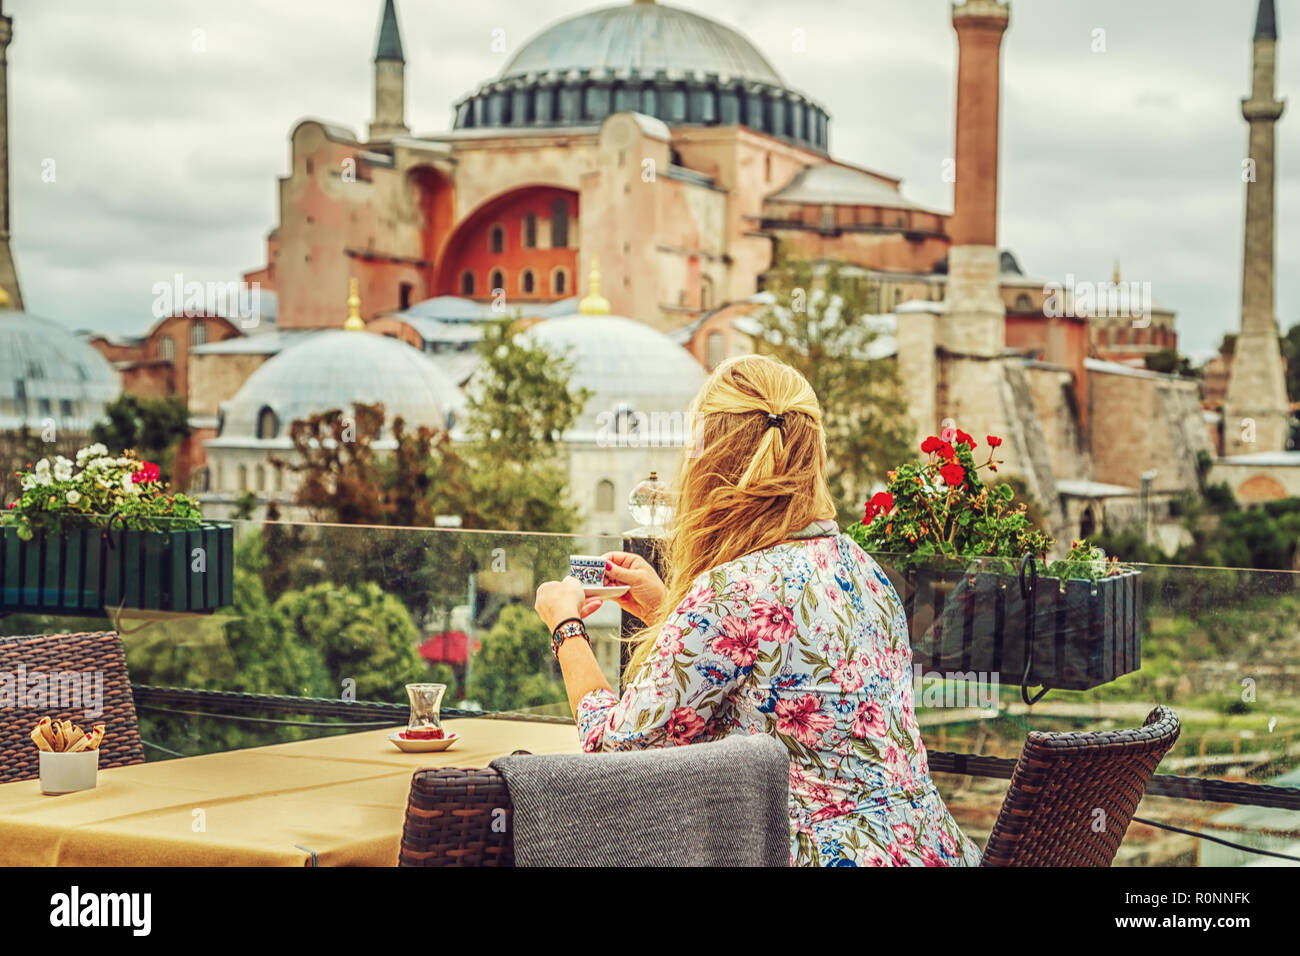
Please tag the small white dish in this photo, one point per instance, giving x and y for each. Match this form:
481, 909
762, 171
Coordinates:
607, 592
431, 746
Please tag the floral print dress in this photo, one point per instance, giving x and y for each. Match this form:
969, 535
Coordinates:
806, 641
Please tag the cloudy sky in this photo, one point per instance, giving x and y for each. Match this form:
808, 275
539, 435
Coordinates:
165, 157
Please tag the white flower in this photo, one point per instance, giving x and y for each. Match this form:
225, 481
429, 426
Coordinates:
28, 482
43, 467
43, 479
74, 497
91, 451
127, 483
62, 469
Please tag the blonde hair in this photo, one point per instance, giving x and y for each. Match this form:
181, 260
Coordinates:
747, 483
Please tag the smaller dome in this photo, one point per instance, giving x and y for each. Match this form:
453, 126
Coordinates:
628, 366
48, 372
338, 369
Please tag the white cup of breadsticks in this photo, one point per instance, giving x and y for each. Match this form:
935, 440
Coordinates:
69, 756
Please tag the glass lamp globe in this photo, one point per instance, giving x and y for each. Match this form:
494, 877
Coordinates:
650, 504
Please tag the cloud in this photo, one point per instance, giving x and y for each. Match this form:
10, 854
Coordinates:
167, 156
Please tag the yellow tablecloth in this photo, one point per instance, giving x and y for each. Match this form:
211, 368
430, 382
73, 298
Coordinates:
342, 798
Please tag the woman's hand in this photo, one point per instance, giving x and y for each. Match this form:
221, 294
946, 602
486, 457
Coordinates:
645, 591
557, 601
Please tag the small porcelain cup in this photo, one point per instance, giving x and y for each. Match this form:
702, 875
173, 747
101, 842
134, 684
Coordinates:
588, 569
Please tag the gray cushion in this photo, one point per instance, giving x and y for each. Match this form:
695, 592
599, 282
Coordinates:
723, 803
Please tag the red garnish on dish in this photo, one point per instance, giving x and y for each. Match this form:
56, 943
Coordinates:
427, 733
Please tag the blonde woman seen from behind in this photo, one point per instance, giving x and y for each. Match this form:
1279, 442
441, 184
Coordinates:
770, 622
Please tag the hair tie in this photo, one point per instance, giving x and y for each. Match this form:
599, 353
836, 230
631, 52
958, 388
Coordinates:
774, 419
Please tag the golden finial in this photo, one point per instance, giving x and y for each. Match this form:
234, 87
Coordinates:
1116, 272
594, 303
5, 301
354, 323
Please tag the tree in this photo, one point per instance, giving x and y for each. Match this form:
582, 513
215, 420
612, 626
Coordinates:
241, 649
816, 325
153, 427
1170, 362
514, 667
361, 633
520, 406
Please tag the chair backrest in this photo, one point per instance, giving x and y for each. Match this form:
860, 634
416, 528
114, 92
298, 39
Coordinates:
458, 818
1073, 795
62, 662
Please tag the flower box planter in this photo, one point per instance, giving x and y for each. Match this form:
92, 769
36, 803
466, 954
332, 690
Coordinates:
88, 570
1084, 633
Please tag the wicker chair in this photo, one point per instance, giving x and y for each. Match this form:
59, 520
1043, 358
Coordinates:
450, 819
99, 651
1050, 814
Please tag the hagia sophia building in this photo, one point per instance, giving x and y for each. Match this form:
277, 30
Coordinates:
623, 184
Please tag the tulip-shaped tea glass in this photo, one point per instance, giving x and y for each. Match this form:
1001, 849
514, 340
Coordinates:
426, 703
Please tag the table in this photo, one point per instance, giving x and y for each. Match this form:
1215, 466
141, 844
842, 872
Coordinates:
335, 801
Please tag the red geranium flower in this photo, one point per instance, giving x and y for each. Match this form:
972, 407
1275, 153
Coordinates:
946, 451
994, 440
953, 473
963, 436
931, 445
882, 500
146, 473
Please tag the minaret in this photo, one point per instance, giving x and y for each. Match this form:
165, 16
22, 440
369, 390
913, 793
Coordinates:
8, 274
1256, 403
976, 318
390, 79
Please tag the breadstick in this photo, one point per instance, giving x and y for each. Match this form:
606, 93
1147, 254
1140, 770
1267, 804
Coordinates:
57, 743
46, 727
72, 738
79, 745
96, 737
39, 739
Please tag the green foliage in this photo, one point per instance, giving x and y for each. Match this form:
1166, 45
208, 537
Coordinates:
362, 634
816, 326
941, 507
95, 491
241, 648
1170, 362
151, 427
514, 667
520, 405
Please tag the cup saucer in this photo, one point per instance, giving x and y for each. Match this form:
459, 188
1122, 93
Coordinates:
436, 745
604, 592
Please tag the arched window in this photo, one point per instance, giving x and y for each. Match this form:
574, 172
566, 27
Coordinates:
167, 348
527, 283
1088, 524
214, 476
243, 477
715, 351
560, 282
498, 281
260, 473
267, 424
559, 223
198, 333
530, 231
604, 496
497, 239
706, 293
1023, 303
467, 283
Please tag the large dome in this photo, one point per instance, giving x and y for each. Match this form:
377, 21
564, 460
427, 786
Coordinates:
645, 38
48, 372
629, 368
644, 57
338, 369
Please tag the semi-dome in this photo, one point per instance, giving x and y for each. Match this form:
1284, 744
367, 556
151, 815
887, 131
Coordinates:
630, 369
47, 372
338, 369
646, 57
